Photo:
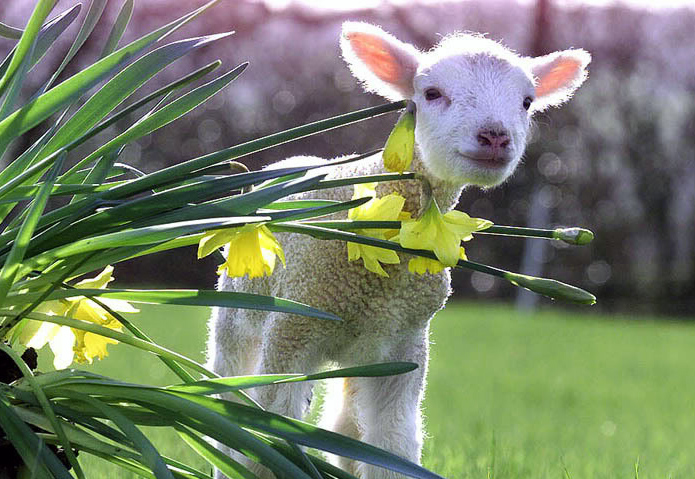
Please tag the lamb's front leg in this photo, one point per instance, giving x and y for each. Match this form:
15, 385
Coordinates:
388, 409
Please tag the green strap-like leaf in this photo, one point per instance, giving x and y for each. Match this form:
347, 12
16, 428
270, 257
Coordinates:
68, 91
183, 170
214, 456
36, 456
118, 336
303, 213
47, 408
96, 8
187, 297
233, 206
307, 435
166, 115
14, 259
165, 90
118, 28
10, 32
120, 87
134, 237
197, 417
222, 385
140, 209
47, 36
26, 42
150, 455
15, 84
77, 436
23, 193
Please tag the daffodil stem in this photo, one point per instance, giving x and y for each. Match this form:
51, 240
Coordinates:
573, 236
354, 225
547, 287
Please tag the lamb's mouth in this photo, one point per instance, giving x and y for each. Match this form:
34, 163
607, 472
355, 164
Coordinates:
486, 161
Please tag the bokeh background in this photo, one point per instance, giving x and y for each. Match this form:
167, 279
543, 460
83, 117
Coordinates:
619, 159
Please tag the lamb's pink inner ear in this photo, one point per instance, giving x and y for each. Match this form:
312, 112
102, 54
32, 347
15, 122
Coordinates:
378, 56
561, 73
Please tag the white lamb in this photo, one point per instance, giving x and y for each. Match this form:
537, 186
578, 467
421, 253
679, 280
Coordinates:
474, 101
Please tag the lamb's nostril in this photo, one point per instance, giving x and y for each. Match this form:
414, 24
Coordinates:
484, 139
493, 139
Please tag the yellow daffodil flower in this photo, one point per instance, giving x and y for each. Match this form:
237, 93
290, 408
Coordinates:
400, 146
387, 208
71, 344
252, 250
422, 265
440, 233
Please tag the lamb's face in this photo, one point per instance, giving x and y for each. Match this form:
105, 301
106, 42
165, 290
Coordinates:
472, 117
474, 97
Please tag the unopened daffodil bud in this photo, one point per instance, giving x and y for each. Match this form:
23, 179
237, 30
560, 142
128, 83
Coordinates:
400, 145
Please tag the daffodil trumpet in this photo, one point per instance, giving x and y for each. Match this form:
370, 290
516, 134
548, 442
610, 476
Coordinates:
440, 233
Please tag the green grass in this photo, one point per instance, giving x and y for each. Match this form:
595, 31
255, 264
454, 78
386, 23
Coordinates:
549, 395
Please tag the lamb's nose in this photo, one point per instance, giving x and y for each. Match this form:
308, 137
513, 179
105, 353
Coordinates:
493, 139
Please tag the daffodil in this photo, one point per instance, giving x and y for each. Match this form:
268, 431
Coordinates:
440, 233
421, 265
387, 208
72, 344
400, 145
252, 250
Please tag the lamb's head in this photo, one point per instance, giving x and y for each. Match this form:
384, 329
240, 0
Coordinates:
474, 98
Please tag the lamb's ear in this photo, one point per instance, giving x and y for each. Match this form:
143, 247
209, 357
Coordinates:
558, 75
384, 64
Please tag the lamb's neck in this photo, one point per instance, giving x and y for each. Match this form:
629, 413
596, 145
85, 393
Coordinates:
446, 194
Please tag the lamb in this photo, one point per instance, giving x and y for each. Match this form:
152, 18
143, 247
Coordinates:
474, 100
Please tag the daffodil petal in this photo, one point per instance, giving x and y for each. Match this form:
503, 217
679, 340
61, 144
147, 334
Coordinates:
41, 335
213, 241
99, 282
353, 251
95, 346
62, 346
422, 265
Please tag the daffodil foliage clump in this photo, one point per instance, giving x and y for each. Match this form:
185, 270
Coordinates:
57, 259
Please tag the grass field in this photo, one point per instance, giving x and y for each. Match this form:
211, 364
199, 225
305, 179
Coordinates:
550, 395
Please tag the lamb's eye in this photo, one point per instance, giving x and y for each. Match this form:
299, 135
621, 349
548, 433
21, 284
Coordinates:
527, 102
432, 94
